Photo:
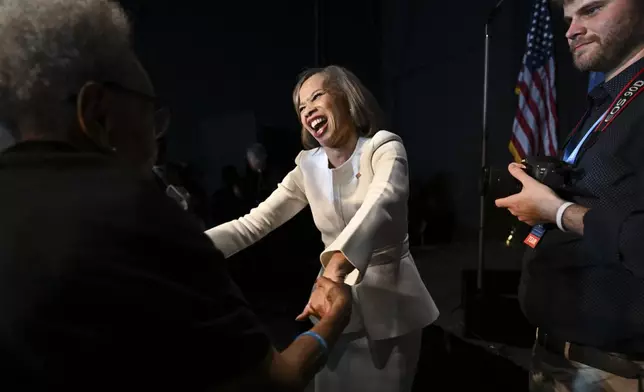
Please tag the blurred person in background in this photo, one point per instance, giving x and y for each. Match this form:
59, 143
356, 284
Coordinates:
260, 178
228, 201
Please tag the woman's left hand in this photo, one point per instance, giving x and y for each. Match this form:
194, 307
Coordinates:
334, 275
337, 268
323, 299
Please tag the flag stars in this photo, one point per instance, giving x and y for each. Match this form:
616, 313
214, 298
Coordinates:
539, 37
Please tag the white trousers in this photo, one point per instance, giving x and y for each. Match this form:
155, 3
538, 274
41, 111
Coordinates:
357, 364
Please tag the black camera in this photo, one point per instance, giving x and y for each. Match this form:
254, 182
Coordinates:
550, 171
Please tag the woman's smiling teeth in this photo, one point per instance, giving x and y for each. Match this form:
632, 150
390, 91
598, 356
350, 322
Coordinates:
317, 124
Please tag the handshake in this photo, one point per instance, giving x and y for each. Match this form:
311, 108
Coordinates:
329, 301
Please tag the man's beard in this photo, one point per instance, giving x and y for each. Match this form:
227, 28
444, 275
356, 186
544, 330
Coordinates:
615, 47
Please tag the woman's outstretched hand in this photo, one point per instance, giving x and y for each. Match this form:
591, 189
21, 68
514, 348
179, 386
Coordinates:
328, 299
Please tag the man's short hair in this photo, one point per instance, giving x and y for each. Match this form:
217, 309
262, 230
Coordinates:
50, 48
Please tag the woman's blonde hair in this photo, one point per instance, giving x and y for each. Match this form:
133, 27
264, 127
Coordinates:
364, 110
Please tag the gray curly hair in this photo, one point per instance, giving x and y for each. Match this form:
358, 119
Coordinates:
50, 48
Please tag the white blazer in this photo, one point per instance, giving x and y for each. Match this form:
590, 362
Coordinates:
360, 208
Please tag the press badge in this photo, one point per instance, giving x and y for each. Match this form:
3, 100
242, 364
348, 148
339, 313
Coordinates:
535, 236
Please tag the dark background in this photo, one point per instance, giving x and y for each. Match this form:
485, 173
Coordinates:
228, 69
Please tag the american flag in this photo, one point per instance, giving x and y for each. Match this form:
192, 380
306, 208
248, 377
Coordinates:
534, 131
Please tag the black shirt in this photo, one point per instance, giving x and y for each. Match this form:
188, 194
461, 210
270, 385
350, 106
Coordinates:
105, 284
590, 289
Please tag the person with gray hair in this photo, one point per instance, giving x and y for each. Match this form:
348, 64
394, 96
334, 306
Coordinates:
355, 178
53, 52
259, 179
105, 283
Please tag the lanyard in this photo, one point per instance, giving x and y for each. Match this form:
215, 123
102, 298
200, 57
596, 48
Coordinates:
625, 97
570, 153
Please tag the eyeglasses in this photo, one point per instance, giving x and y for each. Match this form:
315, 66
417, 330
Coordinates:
161, 111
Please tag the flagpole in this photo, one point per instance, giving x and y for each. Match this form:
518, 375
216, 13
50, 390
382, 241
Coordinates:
484, 167
318, 36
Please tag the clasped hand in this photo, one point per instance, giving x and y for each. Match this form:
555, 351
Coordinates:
328, 297
535, 204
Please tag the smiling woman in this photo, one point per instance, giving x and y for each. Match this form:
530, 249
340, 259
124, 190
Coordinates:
357, 184
340, 95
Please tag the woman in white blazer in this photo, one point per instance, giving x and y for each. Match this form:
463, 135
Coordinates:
355, 178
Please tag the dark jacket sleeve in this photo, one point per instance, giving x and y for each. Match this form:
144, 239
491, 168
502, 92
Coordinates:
152, 297
614, 230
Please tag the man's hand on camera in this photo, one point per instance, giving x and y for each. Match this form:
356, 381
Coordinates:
329, 299
535, 204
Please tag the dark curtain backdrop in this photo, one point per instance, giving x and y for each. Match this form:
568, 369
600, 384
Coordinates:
422, 59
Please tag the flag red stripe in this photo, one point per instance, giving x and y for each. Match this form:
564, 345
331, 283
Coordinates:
544, 125
529, 101
527, 131
552, 111
553, 103
517, 146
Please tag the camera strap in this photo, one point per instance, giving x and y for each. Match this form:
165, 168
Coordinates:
632, 89
571, 151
